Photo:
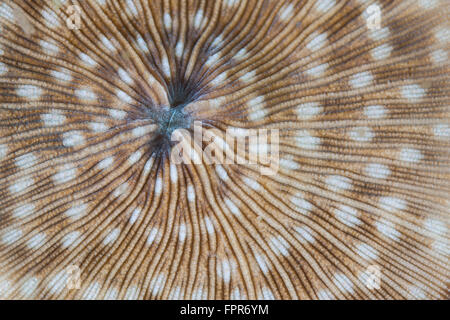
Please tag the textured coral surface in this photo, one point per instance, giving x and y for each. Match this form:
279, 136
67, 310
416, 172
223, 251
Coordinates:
358, 89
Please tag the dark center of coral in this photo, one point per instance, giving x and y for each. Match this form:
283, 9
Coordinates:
172, 117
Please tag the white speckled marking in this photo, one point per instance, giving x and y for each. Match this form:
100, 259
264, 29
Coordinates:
121, 190
3, 151
392, 204
375, 112
325, 5
65, 174
6, 12
381, 52
26, 161
132, 8
53, 119
152, 236
213, 60
50, 17
436, 226
3, 68
347, 215
182, 232
58, 282
267, 294
361, 134
173, 173
60, 75
305, 234
49, 47
387, 228
85, 94
87, 59
77, 211
324, 295
141, 131
24, 210
191, 193
308, 110
280, 246
158, 186
179, 49
317, 42
142, 44
29, 286
252, 183
232, 206
379, 34
249, 76
286, 12
366, 251
107, 43
158, 284
21, 185
305, 140
343, 282
223, 175
166, 66
198, 19
289, 164
105, 163
124, 96
29, 91
241, 54
362, 79
318, 70
167, 20
135, 215
36, 241
261, 260
443, 35
428, 4
413, 92
209, 225
132, 293
92, 291
12, 236
125, 76
441, 130
135, 157
256, 109
70, 239
439, 56
302, 205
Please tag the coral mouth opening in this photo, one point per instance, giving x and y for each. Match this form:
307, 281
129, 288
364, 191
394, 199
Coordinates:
172, 117
180, 94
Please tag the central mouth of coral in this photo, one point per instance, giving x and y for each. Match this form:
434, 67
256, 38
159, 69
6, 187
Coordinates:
173, 119
168, 120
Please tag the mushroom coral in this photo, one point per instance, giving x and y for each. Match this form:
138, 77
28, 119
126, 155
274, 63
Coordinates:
92, 93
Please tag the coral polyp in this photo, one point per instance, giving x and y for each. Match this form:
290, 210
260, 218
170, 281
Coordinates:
92, 93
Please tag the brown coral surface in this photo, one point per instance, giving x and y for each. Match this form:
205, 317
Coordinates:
91, 92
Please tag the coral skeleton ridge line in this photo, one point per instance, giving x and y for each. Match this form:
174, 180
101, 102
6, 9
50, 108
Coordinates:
91, 93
